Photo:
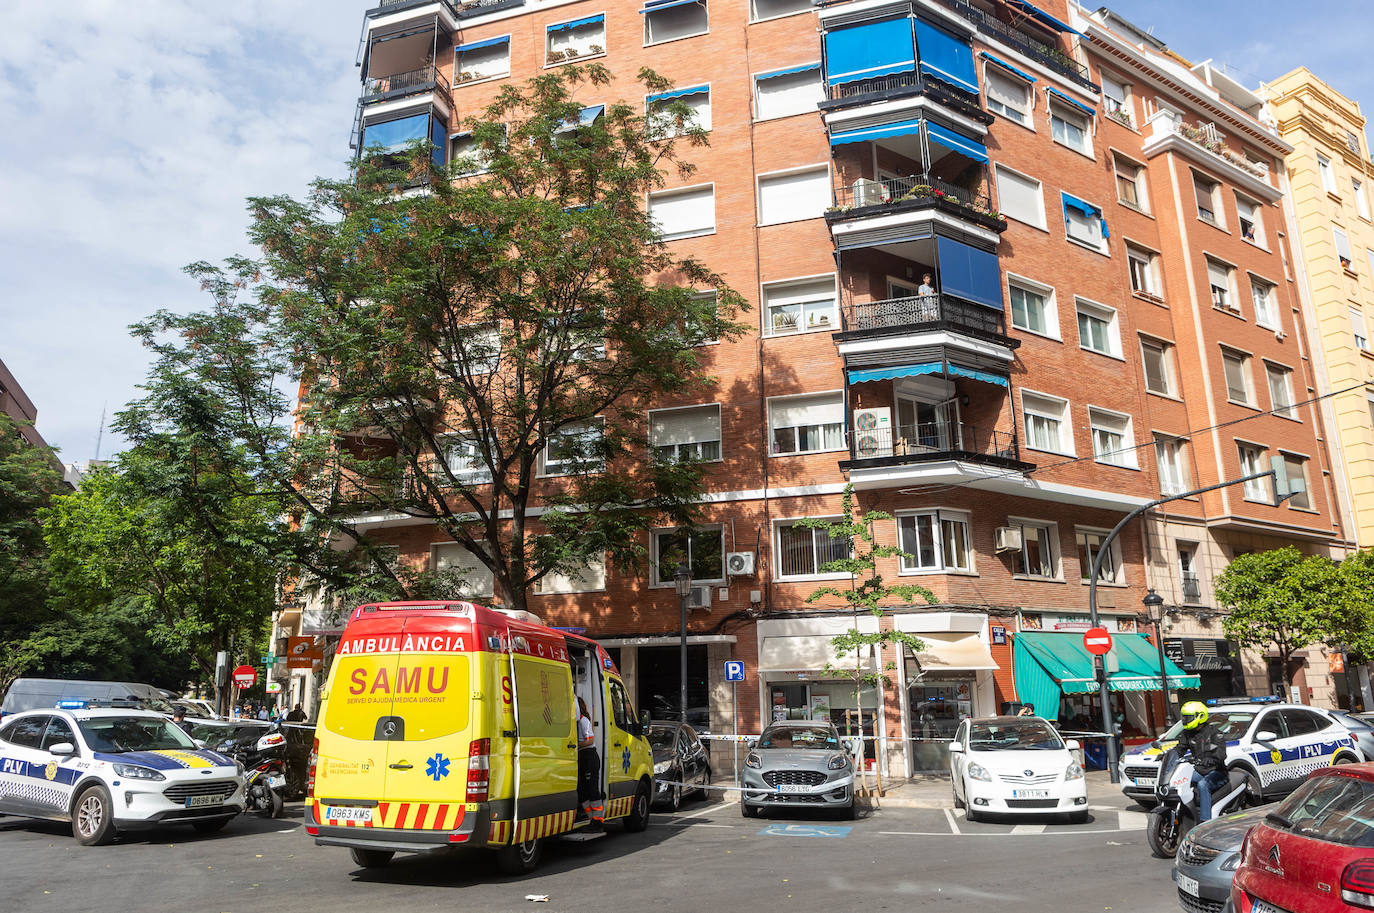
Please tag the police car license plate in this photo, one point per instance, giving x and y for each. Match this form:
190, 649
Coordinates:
1144, 781
1188, 885
793, 788
1030, 793
202, 801
276, 782
346, 813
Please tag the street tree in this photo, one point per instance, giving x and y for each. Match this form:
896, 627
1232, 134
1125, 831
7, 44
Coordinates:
469, 353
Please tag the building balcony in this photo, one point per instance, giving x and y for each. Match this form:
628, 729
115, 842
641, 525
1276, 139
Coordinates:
908, 85
1022, 42
425, 80
915, 314
930, 452
1191, 588
866, 198
1204, 144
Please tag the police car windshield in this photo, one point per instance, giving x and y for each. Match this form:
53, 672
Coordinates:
133, 733
1232, 723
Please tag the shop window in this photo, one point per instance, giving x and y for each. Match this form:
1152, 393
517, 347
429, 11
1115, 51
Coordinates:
702, 550
934, 541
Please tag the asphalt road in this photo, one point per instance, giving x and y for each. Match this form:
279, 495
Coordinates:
708, 859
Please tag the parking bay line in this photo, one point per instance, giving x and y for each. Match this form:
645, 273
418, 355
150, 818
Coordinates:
1028, 829
953, 825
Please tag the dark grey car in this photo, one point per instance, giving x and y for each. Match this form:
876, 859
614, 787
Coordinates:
798, 764
1207, 860
681, 763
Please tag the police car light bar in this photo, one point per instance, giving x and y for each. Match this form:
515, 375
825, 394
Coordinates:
1219, 701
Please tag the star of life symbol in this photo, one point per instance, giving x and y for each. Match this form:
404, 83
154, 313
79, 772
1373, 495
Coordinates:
436, 768
625, 760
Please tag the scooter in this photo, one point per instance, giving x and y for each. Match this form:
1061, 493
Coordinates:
1178, 810
265, 772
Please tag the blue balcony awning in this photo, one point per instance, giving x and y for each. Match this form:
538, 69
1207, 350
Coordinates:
1045, 18
945, 57
968, 272
869, 49
1088, 210
577, 23
656, 5
997, 61
478, 45
956, 143
788, 71
863, 375
986, 377
1090, 111
676, 93
865, 134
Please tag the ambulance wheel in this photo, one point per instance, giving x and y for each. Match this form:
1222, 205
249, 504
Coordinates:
520, 858
638, 818
93, 817
370, 859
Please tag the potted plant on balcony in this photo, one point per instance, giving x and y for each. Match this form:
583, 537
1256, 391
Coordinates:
558, 56
596, 49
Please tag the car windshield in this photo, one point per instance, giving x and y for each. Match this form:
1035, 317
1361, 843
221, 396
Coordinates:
1332, 808
133, 733
1350, 721
662, 736
1015, 735
1232, 723
218, 734
821, 737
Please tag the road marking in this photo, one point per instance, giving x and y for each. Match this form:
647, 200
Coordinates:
804, 830
709, 809
1028, 829
1132, 821
953, 825
1072, 833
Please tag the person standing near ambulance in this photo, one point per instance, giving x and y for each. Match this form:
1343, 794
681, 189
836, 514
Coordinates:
588, 764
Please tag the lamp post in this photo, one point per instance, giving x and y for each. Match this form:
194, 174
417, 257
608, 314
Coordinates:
682, 579
1154, 605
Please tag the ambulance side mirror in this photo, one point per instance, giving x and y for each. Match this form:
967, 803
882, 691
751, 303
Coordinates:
62, 749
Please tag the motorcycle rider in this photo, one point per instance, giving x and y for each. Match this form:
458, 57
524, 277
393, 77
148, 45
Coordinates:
1207, 746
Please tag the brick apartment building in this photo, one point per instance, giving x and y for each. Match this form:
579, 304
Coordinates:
1015, 270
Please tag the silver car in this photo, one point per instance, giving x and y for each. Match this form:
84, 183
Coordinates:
797, 764
1207, 860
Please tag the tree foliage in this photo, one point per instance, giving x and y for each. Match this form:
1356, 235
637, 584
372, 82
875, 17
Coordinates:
465, 353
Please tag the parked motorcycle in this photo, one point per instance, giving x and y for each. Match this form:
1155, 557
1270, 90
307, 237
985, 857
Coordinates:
1178, 809
264, 763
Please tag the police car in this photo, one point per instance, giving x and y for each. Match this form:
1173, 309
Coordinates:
1276, 744
108, 770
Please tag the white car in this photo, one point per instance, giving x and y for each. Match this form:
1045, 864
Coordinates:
108, 771
1016, 765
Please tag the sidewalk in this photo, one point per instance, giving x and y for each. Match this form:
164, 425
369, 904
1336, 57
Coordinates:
934, 791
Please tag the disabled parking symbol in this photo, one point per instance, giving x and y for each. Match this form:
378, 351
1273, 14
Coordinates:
804, 830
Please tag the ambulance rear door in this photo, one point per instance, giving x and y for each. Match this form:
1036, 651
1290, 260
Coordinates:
546, 743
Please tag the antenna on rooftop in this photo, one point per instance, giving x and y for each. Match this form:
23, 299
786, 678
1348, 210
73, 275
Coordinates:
100, 435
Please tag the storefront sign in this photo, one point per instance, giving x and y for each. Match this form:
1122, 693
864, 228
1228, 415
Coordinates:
1199, 654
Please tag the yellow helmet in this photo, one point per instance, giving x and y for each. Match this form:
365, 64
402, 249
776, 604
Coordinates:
1194, 714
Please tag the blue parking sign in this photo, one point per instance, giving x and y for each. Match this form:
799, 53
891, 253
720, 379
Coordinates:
734, 671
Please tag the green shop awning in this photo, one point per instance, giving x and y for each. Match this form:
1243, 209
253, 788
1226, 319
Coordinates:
1050, 664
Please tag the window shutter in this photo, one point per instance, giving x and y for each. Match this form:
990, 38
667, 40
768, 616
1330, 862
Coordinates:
816, 409
684, 426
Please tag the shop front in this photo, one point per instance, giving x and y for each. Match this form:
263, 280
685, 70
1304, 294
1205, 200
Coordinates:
948, 681
1216, 663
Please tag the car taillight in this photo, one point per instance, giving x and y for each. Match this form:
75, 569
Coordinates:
1357, 883
310, 772
479, 769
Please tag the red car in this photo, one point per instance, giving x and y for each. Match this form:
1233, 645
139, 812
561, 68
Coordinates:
1314, 852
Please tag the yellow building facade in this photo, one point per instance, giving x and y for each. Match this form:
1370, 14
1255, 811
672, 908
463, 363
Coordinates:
1331, 216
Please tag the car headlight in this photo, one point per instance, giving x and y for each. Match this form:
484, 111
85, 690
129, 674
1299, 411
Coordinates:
662, 767
978, 772
134, 772
1232, 863
1074, 771
839, 762
753, 760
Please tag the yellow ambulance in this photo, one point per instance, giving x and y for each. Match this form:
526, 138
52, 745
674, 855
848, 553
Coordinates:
450, 725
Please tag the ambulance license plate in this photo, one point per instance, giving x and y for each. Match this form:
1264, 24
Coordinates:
1030, 793
203, 801
1188, 885
346, 813
793, 788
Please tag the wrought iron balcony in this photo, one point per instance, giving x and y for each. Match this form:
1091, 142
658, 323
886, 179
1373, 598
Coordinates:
1027, 44
412, 82
934, 312
867, 197
899, 85
1192, 587
931, 441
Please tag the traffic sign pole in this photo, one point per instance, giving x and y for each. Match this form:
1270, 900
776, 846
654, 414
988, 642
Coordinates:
734, 674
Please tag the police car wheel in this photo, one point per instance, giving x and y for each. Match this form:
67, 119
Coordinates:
370, 859
1343, 759
93, 817
638, 818
520, 858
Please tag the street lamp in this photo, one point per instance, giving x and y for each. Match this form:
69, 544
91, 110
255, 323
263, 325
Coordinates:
682, 579
1154, 605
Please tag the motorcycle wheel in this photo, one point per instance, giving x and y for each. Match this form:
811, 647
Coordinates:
277, 805
1163, 833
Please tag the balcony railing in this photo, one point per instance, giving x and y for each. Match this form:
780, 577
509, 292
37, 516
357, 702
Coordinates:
1192, 587
412, 81
902, 84
1032, 47
922, 310
931, 441
912, 189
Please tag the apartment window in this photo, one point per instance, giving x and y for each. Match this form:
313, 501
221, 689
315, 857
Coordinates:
796, 90
1352, 142
1262, 296
935, 540
692, 433
1251, 461
482, 60
1116, 99
1221, 280
574, 448
590, 578
1144, 269
1296, 468
774, 9
1172, 459
1097, 328
1357, 328
453, 558
1280, 390
662, 123
1208, 207
1130, 182
1361, 202
1369, 255
1157, 358
1019, 197
703, 333
576, 38
1069, 127
1187, 559
684, 213
669, 20
464, 156
476, 351
462, 455
1084, 223
1039, 553
794, 307
1251, 228
794, 196
1008, 96
1047, 423
702, 550
1032, 309
803, 552
811, 423
1328, 176
1342, 247
1111, 433
1089, 545
1236, 366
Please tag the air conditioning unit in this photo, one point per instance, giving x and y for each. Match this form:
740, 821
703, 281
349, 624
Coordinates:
869, 193
872, 432
739, 564
700, 598
1007, 539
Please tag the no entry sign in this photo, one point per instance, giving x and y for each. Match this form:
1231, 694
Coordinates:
245, 676
1097, 641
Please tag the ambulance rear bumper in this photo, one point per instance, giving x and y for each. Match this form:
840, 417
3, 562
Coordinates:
471, 831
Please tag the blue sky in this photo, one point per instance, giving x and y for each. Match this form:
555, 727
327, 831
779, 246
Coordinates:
134, 130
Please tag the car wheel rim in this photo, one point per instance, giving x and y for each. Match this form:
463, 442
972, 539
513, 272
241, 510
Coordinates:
527, 850
89, 816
